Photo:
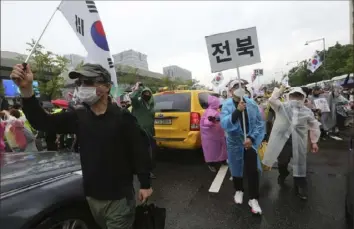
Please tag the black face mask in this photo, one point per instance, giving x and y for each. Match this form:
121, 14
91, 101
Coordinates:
316, 95
146, 97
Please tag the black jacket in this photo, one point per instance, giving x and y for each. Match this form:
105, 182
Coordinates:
112, 147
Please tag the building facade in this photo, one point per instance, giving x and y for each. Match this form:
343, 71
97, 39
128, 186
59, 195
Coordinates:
351, 25
176, 72
131, 58
74, 60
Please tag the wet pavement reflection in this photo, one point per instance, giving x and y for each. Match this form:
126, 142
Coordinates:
183, 182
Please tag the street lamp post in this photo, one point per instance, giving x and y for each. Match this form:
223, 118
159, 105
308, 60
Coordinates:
324, 46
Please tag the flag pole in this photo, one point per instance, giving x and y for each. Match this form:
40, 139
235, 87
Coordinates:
40, 37
243, 112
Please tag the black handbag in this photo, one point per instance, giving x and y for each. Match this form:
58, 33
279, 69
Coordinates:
149, 216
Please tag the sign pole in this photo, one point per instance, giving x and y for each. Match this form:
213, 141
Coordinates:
243, 113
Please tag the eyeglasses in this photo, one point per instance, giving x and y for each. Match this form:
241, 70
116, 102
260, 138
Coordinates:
88, 82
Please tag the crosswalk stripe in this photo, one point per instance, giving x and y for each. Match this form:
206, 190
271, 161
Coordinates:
219, 178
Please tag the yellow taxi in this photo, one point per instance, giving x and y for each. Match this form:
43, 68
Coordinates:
177, 118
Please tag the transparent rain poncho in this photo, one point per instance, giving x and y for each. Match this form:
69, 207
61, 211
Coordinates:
295, 120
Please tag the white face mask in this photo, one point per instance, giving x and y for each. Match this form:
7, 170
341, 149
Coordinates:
87, 95
239, 92
296, 103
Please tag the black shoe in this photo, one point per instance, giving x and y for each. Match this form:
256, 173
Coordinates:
152, 176
301, 192
300, 186
212, 168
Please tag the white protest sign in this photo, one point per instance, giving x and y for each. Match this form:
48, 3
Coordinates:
233, 49
322, 104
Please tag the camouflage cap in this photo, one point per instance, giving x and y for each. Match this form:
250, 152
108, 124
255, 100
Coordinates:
94, 71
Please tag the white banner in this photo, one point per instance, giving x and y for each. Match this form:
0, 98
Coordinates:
233, 49
322, 104
83, 17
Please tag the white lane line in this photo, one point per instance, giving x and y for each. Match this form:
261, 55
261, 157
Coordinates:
336, 138
219, 178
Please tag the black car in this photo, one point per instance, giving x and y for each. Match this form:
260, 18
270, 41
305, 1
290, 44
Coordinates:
349, 203
43, 190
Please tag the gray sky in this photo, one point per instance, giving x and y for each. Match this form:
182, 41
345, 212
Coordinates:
173, 33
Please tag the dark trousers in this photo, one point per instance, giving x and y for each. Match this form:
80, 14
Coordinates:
153, 149
251, 172
283, 161
50, 140
340, 121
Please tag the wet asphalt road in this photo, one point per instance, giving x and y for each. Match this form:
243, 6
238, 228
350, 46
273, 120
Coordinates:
183, 182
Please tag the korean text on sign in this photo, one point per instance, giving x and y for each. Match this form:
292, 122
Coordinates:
233, 49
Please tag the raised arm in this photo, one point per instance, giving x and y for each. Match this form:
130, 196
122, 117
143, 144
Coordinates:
35, 114
60, 123
135, 95
274, 100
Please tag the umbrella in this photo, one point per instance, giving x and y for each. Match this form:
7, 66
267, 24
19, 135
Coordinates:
61, 103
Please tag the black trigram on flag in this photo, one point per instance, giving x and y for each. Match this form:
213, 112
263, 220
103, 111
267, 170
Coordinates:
110, 62
79, 25
91, 6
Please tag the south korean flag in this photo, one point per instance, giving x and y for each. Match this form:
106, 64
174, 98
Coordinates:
218, 79
85, 20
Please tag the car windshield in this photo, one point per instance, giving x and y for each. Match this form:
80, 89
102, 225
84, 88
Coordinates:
25, 165
203, 98
179, 102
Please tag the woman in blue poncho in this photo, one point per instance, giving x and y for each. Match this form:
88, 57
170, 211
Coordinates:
242, 154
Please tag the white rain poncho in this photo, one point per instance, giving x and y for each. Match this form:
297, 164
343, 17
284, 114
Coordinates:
295, 120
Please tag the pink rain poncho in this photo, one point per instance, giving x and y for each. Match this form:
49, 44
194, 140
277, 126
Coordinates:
213, 137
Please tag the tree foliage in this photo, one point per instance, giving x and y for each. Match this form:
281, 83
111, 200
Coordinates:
338, 61
47, 68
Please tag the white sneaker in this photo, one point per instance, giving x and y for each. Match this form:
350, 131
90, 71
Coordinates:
238, 197
255, 208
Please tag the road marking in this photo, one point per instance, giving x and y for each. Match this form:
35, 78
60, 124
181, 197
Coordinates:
336, 138
219, 178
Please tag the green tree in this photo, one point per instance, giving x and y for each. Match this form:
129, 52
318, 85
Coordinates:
338, 61
47, 68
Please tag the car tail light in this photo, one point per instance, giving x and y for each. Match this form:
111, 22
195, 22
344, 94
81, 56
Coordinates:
195, 121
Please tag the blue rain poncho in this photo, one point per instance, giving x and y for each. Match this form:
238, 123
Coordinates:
235, 136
